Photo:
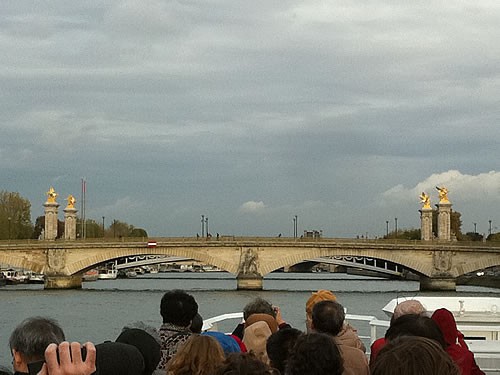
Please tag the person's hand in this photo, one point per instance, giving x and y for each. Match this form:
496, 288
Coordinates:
70, 359
279, 318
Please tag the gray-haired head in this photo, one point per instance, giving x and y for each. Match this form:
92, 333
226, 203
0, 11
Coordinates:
32, 336
258, 306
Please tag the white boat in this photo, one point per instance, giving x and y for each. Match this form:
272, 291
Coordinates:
35, 278
14, 277
107, 274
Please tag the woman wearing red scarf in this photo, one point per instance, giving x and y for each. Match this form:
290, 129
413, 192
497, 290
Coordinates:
455, 344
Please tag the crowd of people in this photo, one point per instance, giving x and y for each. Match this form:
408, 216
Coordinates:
416, 342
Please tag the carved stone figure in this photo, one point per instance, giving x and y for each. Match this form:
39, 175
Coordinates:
442, 261
443, 194
249, 262
425, 200
51, 195
71, 201
56, 260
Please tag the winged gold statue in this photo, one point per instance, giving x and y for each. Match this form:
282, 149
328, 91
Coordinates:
51, 195
425, 200
443, 194
71, 201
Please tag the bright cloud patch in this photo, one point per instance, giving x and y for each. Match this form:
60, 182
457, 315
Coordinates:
462, 187
252, 207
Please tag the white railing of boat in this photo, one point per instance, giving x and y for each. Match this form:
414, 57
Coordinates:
486, 352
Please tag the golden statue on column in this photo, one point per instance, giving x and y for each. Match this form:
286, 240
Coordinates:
425, 200
71, 201
443, 194
51, 195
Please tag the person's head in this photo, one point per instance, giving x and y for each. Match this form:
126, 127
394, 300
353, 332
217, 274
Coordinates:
179, 308
196, 324
314, 354
258, 306
200, 354
30, 338
412, 355
118, 358
227, 342
146, 344
447, 324
255, 339
407, 307
244, 364
328, 317
320, 295
415, 325
279, 345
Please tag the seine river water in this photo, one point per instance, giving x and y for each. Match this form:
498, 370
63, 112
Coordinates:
100, 309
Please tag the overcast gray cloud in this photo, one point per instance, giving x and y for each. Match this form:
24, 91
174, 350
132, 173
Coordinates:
252, 112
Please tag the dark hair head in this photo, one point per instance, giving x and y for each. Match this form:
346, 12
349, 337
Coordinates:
196, 324
328, 317
413, 355
178, 307
32, 336
314, 354
244, 364
146, 344
279, 345
415, 325
258, 306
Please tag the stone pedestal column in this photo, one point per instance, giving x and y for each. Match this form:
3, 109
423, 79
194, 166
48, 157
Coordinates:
437, 283
63, 282
70, 223
426, 224
444, 221
51, 220
246, 282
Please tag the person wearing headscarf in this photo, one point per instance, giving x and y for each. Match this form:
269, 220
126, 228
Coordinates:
456, 347
348, 335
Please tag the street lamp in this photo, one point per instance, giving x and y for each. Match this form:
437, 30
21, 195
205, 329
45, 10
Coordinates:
489, 221
202, 225
387, 229
475, 228
294, 230
396, 227
206, 221
9, 218
103, 226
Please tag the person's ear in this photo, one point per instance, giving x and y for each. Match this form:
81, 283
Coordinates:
18, 361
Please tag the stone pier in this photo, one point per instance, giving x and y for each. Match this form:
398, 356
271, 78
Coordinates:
63, 282
245, 282
437, 284
51, 220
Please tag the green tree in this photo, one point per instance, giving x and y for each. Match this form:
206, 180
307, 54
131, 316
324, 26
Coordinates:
138, 232
15, 216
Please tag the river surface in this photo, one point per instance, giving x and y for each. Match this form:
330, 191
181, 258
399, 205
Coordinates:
102, 308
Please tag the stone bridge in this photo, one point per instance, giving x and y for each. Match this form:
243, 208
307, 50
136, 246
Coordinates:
438, 263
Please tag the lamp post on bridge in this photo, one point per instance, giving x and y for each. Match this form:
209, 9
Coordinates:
489, 230
202, 225
295, 230
10, 219
387, 229
206, 221
475, 228
103, 226
396, 227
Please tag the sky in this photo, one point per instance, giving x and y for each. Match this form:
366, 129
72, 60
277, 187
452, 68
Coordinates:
252, 112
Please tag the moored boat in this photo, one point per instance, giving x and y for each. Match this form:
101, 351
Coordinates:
107, 274
90, 275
